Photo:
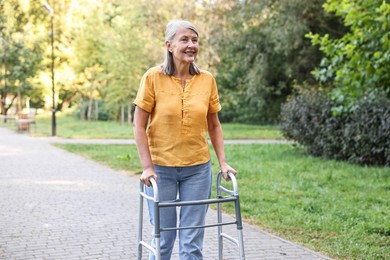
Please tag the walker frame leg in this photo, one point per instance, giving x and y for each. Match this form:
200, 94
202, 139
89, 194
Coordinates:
220, 238
239, 228
140, 226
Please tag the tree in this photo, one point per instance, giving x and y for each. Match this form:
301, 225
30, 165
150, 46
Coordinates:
124, 66
111, 68
358, 62
88, 48
264, 53
21, 55
123, 39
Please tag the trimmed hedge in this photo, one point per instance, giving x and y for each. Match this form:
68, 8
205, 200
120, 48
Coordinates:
361, 136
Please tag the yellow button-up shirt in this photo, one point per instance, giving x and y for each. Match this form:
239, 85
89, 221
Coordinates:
178, 123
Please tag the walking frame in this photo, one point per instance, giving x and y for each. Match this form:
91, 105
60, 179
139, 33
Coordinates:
232, 196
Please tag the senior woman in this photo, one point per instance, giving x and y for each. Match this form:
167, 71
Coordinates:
176, 105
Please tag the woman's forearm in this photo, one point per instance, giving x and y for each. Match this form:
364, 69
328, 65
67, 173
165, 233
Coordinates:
216, 138
141, 139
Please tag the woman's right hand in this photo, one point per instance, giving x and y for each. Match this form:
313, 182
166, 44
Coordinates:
146, 174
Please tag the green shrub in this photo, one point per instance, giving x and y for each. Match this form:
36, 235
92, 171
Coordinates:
361, 136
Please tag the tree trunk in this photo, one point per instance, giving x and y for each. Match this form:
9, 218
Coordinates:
96, 110
20, 105
90, 103
122, 114
129, 116
89, 108
2, 109
3, 104
82, 115
5, 91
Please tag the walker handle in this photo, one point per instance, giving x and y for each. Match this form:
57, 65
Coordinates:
155, 190
233, 192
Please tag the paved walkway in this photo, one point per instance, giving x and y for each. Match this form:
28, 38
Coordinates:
57, 205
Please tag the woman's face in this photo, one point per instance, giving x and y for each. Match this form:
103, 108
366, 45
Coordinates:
185, 46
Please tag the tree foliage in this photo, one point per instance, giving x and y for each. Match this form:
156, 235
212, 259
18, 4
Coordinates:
358, 62
350, 120
256, 49
264, 53
118, 41
122, 67
20, 54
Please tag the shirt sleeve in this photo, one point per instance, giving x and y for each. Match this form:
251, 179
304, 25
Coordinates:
214, 105
145, 98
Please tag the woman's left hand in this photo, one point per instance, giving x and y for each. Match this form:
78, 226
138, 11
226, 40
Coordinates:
225, 169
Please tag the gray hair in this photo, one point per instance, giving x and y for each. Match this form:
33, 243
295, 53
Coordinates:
168, 67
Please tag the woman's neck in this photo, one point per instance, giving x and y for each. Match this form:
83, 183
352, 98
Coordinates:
182, 71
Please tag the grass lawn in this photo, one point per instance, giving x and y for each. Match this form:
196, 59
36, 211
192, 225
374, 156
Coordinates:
332, 207
71, 127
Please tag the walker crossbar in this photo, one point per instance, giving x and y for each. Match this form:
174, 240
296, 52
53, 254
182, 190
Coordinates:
195, 202
233, 197
230, 238
201, 226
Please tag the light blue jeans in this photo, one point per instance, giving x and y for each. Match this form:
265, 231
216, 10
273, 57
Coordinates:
190, 183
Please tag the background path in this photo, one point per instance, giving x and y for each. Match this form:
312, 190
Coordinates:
131, 141
57, 205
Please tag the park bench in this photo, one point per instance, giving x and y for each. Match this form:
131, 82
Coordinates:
25, 120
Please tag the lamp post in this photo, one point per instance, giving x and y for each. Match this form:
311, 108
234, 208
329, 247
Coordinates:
53, 109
